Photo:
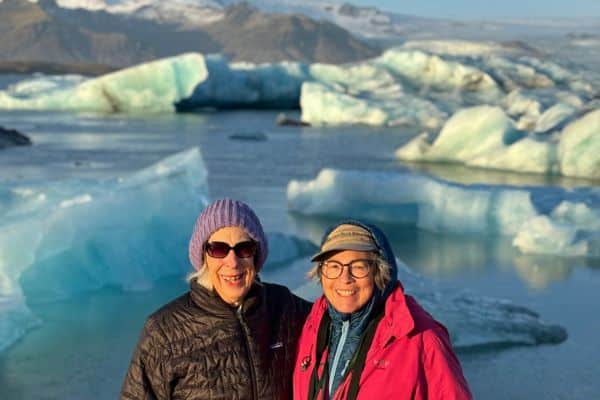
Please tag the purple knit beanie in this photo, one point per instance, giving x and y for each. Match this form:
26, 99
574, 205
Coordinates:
220, 214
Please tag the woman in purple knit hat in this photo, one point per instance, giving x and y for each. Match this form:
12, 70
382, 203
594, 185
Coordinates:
231, 336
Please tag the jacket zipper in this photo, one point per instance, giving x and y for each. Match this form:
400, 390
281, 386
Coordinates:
248, 352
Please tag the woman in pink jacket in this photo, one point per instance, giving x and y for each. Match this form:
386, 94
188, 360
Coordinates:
366, 339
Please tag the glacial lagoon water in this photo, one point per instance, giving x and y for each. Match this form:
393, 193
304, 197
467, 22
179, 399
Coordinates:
82, 343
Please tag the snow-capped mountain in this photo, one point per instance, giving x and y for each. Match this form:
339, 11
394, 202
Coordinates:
191, 14
45, 31
364, 21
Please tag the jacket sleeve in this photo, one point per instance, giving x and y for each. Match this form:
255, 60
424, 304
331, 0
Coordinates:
445, 379
147, 377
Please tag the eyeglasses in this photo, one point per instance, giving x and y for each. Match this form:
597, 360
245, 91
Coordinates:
357, 268
242, 249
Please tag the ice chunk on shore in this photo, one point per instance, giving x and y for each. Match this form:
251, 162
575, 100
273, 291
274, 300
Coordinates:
473, 321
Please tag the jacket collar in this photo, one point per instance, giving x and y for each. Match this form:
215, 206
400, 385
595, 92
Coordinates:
397, 322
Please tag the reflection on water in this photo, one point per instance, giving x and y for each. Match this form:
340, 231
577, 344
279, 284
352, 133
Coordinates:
540, 271
439, 256
471, 175
100, 341
83, 347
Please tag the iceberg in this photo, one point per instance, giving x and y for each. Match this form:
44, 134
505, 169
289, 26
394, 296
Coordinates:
399, 88
150, 87
62, 238
15, 318
334, 105
486, 137
418, 200
247, 85
403, 87
286, 248
474, 322
540, 220
458, 47
412, 87
579, 147
41, 84
431, 72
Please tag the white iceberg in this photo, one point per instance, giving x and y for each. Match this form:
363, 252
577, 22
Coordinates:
336, 105
406, 198
153, 86
403, 86
540, 220
579, 147
457, 47
486, 137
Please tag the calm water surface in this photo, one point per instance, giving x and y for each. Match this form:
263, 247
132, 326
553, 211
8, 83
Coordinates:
84, 345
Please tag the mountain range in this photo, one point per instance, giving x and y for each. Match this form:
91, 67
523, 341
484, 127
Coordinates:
46, 32
95, 36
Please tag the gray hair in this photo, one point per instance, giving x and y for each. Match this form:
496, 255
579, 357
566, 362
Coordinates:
381, 274
201, 276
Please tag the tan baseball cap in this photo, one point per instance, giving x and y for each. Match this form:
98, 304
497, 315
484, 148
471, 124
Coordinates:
347, 237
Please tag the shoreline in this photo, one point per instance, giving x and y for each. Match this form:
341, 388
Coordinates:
31, 67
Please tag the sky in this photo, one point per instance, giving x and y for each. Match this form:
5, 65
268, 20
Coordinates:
482, 8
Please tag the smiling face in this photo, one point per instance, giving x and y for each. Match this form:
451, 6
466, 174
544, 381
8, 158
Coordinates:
231, 276
346, 293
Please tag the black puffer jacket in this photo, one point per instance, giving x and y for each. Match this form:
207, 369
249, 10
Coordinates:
199, 347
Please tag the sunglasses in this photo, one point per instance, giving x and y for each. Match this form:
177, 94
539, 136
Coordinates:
242, 249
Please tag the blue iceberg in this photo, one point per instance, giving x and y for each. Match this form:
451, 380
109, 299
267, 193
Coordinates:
58, 239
